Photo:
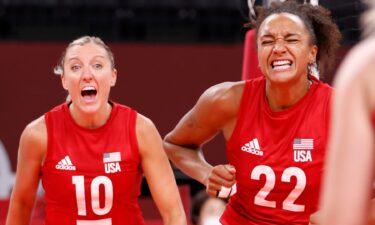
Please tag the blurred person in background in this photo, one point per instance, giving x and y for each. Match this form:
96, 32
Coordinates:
349, 180
206, 210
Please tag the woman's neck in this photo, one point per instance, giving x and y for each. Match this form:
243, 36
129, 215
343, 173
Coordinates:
93, 120
282, 97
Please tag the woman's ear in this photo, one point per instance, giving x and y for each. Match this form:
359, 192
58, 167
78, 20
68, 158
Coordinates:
63, 82
313, 53
113, 78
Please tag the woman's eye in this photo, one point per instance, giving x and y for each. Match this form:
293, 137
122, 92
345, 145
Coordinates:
268, 42
75, 67
292, 40
98, 66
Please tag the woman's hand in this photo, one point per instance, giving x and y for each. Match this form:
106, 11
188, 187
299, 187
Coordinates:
221, 180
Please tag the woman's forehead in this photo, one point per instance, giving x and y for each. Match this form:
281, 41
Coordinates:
86, 49
280, 21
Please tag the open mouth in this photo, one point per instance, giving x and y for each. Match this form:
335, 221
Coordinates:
88, 93
281, 64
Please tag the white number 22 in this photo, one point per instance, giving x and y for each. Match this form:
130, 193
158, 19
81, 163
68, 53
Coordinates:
288, 203
79, 182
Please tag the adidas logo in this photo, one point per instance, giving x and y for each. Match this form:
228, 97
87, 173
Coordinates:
252, 147
65, 164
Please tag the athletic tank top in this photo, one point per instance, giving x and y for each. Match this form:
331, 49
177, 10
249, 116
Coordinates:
278, 156
92, 176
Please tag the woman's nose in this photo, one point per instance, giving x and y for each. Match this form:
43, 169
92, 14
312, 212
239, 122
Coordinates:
279, 46
87, 73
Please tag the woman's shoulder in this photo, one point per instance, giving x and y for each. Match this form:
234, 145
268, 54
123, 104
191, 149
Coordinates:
355, 78
34, 139
36, 131
143, 122
357, 63
224, 93
219, 103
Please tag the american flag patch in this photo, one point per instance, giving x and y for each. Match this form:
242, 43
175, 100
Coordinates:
112, 157
301, 143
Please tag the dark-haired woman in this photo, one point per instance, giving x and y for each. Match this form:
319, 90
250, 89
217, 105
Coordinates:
275, 126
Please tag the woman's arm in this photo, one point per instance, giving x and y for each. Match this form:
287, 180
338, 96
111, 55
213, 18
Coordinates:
158, 172
215, 111
32, 148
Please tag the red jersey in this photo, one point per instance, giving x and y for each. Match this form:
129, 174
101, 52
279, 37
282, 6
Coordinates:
92, 176
278, 156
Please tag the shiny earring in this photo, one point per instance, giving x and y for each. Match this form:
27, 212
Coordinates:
313, 69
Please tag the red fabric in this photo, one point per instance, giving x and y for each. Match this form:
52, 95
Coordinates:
4, 204
250, 68
265, 152
105, 190
149, 209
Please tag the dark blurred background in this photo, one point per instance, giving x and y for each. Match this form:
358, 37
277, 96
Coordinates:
166, 21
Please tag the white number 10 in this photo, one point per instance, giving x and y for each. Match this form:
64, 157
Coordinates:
79, 182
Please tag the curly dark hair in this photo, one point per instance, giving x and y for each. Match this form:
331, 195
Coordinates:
323, 31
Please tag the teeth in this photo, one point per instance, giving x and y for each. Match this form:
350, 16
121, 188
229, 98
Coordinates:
281, 62
88, 88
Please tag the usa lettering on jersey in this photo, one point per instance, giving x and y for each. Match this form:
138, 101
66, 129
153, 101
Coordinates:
111, 162
302, 149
